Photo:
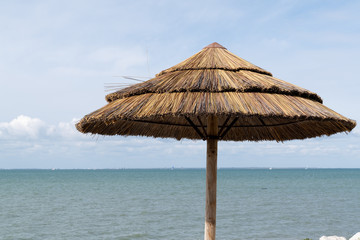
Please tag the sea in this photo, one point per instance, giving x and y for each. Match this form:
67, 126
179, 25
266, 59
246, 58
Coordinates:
142, 204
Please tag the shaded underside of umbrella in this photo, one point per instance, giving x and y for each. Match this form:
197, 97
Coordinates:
249, 102
215, 95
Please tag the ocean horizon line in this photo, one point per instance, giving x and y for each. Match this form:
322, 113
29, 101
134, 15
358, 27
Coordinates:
191, 168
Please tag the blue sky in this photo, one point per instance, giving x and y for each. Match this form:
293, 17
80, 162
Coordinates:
56, 57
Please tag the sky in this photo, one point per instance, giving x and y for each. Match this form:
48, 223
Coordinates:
58, 57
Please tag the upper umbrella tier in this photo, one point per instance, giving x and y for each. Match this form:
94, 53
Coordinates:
214, 69
215, 56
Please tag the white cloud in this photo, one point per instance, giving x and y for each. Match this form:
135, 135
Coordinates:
64, 130
22, 126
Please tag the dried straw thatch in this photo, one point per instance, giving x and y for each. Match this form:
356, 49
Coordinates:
249, 102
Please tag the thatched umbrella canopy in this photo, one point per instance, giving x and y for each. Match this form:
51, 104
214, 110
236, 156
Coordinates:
215, 95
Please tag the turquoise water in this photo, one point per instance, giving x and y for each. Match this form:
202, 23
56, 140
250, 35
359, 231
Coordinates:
169, 204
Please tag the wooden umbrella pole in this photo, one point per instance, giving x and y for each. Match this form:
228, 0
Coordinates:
211, 169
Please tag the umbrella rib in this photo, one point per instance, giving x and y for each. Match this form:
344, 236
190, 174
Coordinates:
229, 127
202, 126
249, 126
195, 128
161, 123
262, 122
223, 126
271, 125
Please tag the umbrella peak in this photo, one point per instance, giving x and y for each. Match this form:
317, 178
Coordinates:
215, 45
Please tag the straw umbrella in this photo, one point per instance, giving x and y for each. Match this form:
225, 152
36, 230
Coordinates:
215, 95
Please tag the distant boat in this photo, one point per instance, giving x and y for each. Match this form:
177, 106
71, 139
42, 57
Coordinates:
270, 168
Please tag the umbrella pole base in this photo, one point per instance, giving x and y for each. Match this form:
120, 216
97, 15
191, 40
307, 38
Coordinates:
211, 175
